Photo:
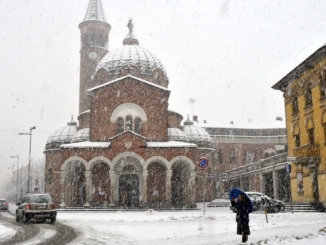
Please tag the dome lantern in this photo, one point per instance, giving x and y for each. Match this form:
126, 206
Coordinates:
130, 39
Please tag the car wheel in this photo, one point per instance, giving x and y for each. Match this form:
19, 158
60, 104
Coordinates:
276, 209
17, 217
25, 219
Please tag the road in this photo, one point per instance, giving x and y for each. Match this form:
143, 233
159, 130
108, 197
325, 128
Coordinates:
37, 233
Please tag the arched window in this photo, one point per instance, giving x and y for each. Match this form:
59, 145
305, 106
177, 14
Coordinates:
50, 176
266, 155
120, 125
233, 156
250, 155
308, 97
295, 106
137, 125
128, 123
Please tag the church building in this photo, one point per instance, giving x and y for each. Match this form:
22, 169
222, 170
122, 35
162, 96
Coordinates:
129, 149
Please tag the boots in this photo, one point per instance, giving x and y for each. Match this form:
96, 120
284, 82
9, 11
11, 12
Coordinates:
244, 238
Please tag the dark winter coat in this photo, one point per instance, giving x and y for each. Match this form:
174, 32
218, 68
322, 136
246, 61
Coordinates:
242, 209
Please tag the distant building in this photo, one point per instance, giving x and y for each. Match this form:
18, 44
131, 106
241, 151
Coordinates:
249, 156
304, 92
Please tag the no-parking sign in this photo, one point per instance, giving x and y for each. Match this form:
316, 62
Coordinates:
203, 163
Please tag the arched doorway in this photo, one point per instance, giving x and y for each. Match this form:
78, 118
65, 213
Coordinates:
129, 188
75, 184
156, 185
180, 183
128, 191
101, 184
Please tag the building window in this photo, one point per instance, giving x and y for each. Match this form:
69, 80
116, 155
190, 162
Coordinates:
297, 140
308, 98
137, 125
120, 125
322, 84
295, 107
250, 155
311, 136
218, 157
233, 156
50, 176
128, 123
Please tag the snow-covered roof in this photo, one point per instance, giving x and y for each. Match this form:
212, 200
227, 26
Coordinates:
176, 134
170, 144
81, 135
126, 132
87, 144
95, 11
131, 54
121, 78
195, 133
62, 135
244, 125
84, 112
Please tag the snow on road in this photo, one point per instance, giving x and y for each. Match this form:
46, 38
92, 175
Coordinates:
191, 227
5, 232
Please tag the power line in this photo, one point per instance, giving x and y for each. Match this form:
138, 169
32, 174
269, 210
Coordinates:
8, 130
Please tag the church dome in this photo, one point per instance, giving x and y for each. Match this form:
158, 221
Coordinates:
81, 135
61, 136
176, 134
131, 54
197, 134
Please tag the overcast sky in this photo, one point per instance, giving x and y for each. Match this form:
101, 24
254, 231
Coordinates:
225, 54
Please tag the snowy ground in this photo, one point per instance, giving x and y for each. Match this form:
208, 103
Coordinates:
192, 227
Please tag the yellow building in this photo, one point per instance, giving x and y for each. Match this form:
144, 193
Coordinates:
304, 95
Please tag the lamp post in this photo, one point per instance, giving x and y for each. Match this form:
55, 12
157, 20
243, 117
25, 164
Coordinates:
29, 159
17, 176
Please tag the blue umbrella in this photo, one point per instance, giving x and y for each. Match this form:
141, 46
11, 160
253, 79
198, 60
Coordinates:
235, 192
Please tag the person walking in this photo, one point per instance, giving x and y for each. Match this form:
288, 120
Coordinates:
242, 208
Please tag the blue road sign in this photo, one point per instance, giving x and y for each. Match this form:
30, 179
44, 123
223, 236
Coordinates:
203, 163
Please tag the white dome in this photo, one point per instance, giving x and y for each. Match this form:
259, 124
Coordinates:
61, 136
135, 55
176, 134
131, 54
81, 135
195, 133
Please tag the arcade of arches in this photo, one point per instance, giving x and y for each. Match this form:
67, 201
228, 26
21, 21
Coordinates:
128, 183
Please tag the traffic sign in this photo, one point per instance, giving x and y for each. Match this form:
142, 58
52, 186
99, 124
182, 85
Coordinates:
203, 163
287, 167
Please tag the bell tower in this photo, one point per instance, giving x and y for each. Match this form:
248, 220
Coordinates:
94, 32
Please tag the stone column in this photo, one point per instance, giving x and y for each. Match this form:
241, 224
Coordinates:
144, 197
275, 185
63, 189
89, 188
112, 189
262, 183
240, 182
168, 194
192, 188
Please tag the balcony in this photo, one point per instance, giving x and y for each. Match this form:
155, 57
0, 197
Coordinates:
306, 151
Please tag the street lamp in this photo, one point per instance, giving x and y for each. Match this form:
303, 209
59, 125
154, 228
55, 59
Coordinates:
29, 160
17, 175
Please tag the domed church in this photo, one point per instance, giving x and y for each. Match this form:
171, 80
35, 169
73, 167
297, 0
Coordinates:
128, 150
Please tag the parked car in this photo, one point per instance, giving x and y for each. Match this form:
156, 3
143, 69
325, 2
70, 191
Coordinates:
4, 204
36, 207
261, 202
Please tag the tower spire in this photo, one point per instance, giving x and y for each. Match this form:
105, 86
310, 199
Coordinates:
95, 11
